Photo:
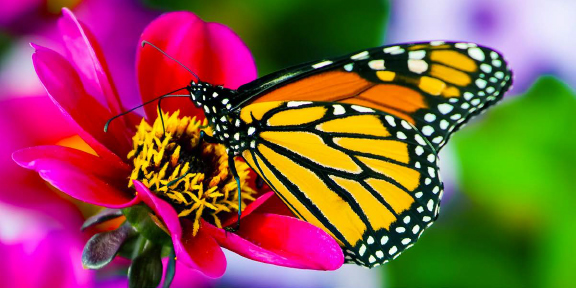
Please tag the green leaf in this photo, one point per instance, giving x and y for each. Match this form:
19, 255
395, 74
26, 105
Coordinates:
285, 33
519, 160
522, 148
140, 216
171, 269
101, 217
102, 247
132, 246
512, 224
146, 268
466, 247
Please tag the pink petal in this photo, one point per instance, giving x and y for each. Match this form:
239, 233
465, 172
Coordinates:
203, 249
86, 55
14, 11
87, 163
65, 88
186, 277
85, 187
200, 252
251, 207
213, 51
52, 260
274, 205
41, 124
281, 240
88, 59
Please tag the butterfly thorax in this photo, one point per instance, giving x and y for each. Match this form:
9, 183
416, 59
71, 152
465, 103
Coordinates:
217, 102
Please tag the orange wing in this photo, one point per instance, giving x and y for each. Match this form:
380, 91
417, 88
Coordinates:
435, 86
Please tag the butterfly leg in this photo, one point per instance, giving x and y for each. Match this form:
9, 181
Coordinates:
232, 166
259, 182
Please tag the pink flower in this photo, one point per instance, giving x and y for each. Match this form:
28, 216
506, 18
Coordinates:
98, 172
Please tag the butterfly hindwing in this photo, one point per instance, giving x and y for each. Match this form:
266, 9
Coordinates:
436, 86
367, 177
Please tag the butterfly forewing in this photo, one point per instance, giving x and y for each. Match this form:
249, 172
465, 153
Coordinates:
367, 177
435, 86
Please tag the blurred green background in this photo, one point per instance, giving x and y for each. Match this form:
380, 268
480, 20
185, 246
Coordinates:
509, 215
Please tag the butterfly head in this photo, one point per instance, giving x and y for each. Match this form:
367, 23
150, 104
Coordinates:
198, 92
214, 99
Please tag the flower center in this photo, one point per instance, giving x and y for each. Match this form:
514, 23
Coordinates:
199, 179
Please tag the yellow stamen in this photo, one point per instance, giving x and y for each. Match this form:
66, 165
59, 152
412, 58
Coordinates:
207, 190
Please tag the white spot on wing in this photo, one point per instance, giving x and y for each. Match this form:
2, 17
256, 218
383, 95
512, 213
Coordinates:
430, 205
348, 67
427, 130
417, 55
420, 140
339, 110
394, 50
445, 108
486, 68
360, 56
476, 53
362, 250
384, 240
377, 64
443, 124
406, 125
417, 66
430, 117
461, 45
322, 64
362, 109
297, 103
390, 120
419, 150
432, 172
481, 83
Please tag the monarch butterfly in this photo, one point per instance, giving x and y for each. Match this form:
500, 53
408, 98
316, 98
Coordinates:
350, 144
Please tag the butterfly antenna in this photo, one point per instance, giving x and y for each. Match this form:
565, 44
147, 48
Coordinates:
169, 94
144, 42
